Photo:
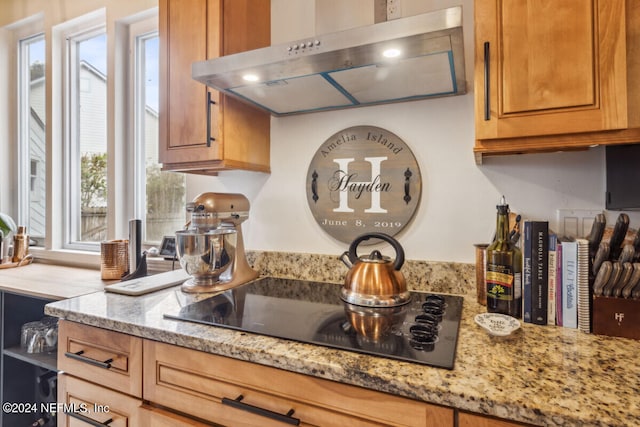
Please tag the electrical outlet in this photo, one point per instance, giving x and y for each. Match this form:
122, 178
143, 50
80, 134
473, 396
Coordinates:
575, 222
394, 9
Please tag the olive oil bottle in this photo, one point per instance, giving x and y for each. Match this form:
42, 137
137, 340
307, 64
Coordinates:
504, 269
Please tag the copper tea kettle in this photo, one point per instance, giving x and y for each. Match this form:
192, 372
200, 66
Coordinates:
374, 280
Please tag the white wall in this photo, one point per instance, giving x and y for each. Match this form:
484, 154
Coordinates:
458, 201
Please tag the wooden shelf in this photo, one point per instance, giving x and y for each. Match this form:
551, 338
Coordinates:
48, 360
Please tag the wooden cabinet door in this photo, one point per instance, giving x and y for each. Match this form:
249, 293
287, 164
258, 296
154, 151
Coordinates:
547, 67
83, 403
473, 420
205, 385
155, 417
189, 32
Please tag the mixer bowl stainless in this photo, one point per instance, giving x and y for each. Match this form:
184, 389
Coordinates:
206, 256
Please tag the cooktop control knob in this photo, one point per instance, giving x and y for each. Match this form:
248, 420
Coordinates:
424, 332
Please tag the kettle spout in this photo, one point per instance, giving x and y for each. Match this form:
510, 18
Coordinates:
345, 259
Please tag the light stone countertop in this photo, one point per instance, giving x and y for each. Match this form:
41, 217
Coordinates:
541, 375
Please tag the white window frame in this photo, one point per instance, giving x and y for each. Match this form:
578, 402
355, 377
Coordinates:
139, 32
24, 115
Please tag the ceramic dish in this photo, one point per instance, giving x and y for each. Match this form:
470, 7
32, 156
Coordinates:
497, 324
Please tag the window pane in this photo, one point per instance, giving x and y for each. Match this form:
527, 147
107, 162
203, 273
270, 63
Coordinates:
90, 142
164, 209
33, 136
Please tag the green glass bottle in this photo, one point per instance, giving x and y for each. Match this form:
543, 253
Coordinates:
504, 269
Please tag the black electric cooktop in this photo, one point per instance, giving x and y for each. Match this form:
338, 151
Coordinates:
425, 330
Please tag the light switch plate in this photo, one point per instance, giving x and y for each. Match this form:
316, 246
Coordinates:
575, 223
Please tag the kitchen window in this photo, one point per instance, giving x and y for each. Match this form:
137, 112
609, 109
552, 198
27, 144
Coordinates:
159, 196
86, 139
32, 135
88, 163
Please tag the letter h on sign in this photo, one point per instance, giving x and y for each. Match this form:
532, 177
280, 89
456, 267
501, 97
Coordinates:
344, 188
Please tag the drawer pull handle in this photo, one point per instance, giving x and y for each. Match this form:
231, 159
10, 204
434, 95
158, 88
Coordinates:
238, 404
79, 356
88, 420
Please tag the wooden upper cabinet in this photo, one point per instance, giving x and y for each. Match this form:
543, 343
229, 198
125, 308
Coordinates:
183, 38
197, 30
554, 66
554, 74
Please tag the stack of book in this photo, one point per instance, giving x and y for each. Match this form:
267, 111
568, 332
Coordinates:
555, 285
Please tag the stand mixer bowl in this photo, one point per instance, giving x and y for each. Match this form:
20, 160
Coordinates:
206, 256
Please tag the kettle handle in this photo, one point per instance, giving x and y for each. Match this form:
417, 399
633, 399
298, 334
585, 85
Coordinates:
353, 255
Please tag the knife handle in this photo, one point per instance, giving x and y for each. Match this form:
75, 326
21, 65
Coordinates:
618, 235
602, 278
616, 274
635, 294
627, 271
633, 282
627, 254
636, 246
601, 256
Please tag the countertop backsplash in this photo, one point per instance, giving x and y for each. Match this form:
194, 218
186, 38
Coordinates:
443, 277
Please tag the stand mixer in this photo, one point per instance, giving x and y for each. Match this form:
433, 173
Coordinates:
211, 249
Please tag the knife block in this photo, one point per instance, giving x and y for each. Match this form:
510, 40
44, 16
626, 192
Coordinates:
617, 317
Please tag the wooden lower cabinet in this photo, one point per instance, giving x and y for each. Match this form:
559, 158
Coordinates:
156, 417
232, 392
473, 420
83, 403
182, 387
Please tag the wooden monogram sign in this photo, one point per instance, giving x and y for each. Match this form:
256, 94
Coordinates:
363, 179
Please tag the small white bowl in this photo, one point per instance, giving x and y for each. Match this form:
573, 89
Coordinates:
497, 324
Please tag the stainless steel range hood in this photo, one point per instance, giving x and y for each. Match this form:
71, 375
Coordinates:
348, 68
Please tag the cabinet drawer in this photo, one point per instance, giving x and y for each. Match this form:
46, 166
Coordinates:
91, 403
155, 417
108, 358
207, 385
474, 420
